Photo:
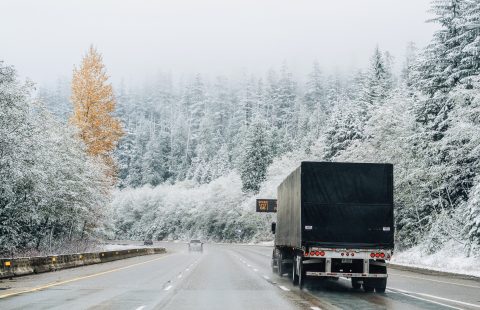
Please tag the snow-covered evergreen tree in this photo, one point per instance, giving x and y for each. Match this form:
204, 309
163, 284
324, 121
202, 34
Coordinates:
256, 157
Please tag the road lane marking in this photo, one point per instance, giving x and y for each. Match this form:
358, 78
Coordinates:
437, 297
413, 277
179, 276
168, 287
427, 300
254, 269
38, 288
140, 308
284, 288
187, 269
266, 277
315, 308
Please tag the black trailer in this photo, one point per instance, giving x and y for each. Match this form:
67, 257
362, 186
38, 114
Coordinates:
335, 219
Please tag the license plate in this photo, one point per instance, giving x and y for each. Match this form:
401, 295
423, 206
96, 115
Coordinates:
346, 260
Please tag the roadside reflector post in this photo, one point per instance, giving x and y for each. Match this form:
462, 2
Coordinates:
8, 264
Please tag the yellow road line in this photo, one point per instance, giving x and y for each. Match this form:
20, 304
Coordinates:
38, 288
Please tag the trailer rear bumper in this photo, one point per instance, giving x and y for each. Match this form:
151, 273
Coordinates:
346, 275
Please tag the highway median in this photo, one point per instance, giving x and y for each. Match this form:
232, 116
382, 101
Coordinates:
14, 267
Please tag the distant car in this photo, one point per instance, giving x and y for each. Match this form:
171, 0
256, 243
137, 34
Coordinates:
148, 242
195, 245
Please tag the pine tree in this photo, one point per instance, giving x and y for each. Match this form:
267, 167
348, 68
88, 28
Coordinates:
378, 81
256, 158
94, 104
315, 94
438, 67
345, 126
408, 66
472, 219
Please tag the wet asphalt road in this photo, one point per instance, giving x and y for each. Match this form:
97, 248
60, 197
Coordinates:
223, 277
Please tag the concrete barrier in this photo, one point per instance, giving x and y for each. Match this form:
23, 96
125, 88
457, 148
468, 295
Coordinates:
29, 265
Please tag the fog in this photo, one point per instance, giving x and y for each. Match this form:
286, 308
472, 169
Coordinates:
45, 39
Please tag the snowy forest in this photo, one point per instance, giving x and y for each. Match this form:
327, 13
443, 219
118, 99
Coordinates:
195, 152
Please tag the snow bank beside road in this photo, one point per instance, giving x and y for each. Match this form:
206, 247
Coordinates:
450, 258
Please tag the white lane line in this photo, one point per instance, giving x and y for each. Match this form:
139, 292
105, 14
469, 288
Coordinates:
140, 308
168, 287
249, 265
187, 269
451, 283
437, 297
427, 300
284, 288
315, 308
254, 269
179, 276
266, 277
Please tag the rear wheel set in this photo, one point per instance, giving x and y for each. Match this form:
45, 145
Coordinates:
379, 285
356, 283
295, 276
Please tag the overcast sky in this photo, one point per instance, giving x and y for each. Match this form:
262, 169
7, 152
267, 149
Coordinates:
44, 39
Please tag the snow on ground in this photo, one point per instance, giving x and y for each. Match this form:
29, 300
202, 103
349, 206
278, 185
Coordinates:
450, 258
115, 247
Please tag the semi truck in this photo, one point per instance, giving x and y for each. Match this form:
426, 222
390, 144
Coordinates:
334, 220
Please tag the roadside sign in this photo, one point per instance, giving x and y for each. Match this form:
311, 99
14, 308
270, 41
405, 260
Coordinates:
266, 205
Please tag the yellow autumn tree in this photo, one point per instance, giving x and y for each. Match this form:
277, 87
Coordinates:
93, 104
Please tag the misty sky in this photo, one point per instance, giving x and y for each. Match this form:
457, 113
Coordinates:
44, 39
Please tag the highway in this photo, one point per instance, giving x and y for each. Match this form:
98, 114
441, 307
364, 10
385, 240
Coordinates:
223, 277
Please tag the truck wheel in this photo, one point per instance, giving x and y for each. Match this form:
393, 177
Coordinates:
301, 275
368, 286
280, 265
274, 260
381, 285
294, 272
356, 283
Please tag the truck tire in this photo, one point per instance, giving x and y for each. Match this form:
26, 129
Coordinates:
301, 275
273, 262
294, 272
356, 283
279, 264
380, 285
368, 285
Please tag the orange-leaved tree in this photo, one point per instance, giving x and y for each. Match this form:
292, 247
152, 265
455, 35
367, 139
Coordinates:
93, 104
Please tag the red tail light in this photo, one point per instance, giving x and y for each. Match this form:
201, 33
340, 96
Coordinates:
317, 253
353, 254
372, 255
342, 254
377, 255
382, 255
306, 253
322, 253
312, 253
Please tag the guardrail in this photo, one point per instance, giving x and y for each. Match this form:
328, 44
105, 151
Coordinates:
29, 265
